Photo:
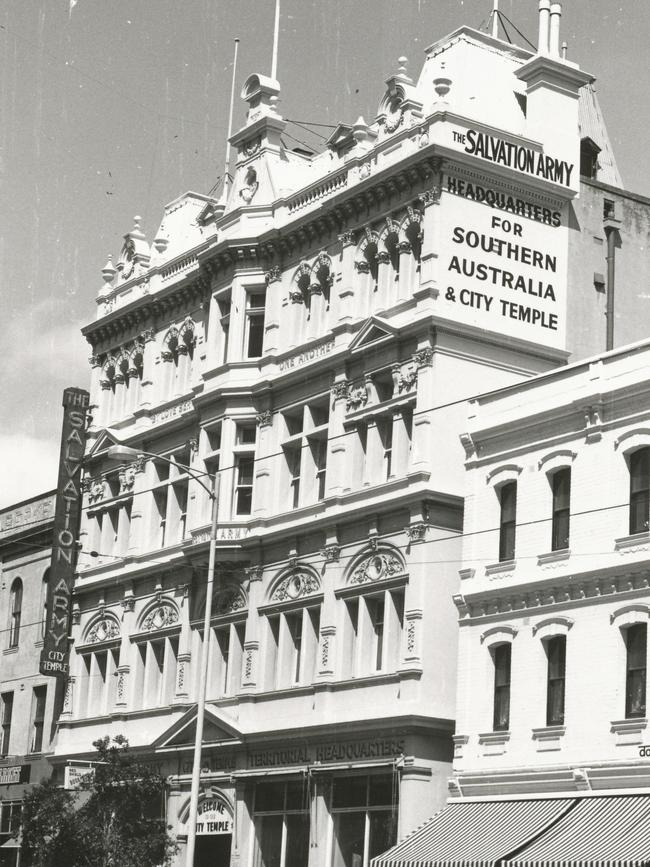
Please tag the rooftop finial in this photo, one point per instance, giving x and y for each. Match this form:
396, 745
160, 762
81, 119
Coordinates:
401, 65
564, 50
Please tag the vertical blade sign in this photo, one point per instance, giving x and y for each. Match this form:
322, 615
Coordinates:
67, 515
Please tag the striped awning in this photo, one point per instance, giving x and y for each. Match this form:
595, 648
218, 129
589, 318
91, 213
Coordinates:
475, 834
612, 831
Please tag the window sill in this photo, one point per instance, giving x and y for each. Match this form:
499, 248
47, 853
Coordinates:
494, 743
501, 567
548, 738
637, 542
553, 557
629, 731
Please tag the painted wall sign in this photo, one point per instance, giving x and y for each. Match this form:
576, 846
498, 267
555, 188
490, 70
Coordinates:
213, 817
328, 752
172, 412
75, 775
13, 774
224, 534
503, 261
65, 532
306, 356
30, 514
514, 156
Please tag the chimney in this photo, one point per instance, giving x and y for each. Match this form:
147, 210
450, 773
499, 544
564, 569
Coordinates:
554, 30
544, 12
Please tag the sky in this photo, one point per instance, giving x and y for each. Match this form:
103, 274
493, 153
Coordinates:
112, 108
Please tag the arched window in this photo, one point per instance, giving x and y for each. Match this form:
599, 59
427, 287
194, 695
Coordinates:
639, 490
46, 582
16, 604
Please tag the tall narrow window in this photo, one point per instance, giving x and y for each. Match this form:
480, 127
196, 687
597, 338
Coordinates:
507, 522
636, 639
501, 687
255, 304
38, 718
561, 506
281, 818
16, 612
294, 627
7, 713
639, 490
376, 612
556, 673
364, 813
293, 455
386, 434
244, 487
319, 450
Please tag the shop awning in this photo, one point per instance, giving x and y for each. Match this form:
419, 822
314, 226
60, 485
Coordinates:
612, 830
475, 834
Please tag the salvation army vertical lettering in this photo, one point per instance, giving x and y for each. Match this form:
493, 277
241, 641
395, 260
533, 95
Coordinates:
67, 514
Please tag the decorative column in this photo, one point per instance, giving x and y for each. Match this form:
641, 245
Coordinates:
335, 480
372, 474
137, 481
250, 662
95, 389
262, 492
430, 237
273, 307
384, 280
124, 667
346, 277
148, 362
183, 660
423, 416
401, 444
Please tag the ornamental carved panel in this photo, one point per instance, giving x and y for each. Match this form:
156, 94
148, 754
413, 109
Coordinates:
228, 600
159, 617
374, 567
105, 629
295, 585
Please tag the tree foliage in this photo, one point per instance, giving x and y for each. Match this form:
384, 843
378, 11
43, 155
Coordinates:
113, 820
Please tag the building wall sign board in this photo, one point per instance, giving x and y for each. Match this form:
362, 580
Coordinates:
65, 532
213, 818
503, 261
14, 774
74, 776
26, 516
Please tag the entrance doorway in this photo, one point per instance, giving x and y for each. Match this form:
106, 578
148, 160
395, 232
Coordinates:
212, 850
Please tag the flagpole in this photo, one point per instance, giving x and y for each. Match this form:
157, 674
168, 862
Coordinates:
226, 174
276, 35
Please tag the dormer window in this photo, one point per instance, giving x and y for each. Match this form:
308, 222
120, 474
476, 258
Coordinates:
589, 151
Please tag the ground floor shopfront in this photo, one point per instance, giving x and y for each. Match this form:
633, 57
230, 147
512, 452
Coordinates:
17, 776
314, 800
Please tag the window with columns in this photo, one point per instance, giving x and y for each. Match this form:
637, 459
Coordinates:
177, 354
170, 493
99, 652
156, 656
305, 453
109, 512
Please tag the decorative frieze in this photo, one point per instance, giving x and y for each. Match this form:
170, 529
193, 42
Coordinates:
106, 629
340, 389
416, 532
161, 616
377, 566
296, 585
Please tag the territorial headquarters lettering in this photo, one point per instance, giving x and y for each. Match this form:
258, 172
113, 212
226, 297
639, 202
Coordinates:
515, 156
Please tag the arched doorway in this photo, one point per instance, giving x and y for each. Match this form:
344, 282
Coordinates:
214, 826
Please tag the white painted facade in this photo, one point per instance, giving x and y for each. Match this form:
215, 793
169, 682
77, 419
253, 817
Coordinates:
590, 419
313, 337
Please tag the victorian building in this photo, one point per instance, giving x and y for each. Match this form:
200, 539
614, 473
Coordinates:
311, 338
551, 750
28, 700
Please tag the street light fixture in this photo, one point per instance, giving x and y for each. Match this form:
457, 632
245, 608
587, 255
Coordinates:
126, 453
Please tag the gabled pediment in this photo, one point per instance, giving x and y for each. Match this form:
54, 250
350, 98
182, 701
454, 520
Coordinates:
373, 331
216, 729
103, 441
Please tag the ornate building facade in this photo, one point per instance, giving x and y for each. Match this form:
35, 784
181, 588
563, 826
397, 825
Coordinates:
311, 338
28, 701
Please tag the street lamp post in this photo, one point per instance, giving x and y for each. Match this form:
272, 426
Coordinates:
120, 452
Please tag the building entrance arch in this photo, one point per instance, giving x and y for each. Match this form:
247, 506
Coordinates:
214, 827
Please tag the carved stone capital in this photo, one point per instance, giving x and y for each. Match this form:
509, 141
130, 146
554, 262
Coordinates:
423, 357
296, 296
166, 355
347, 238
331, 553
405, 247
315, 289
273, 275
431, 197
340, 389
94, 361
362, 266
254, 573
416, 532
105, 384
148, 335
383, 257
264, 419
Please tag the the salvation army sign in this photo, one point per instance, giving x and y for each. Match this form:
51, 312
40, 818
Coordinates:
213, 817
502, 259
